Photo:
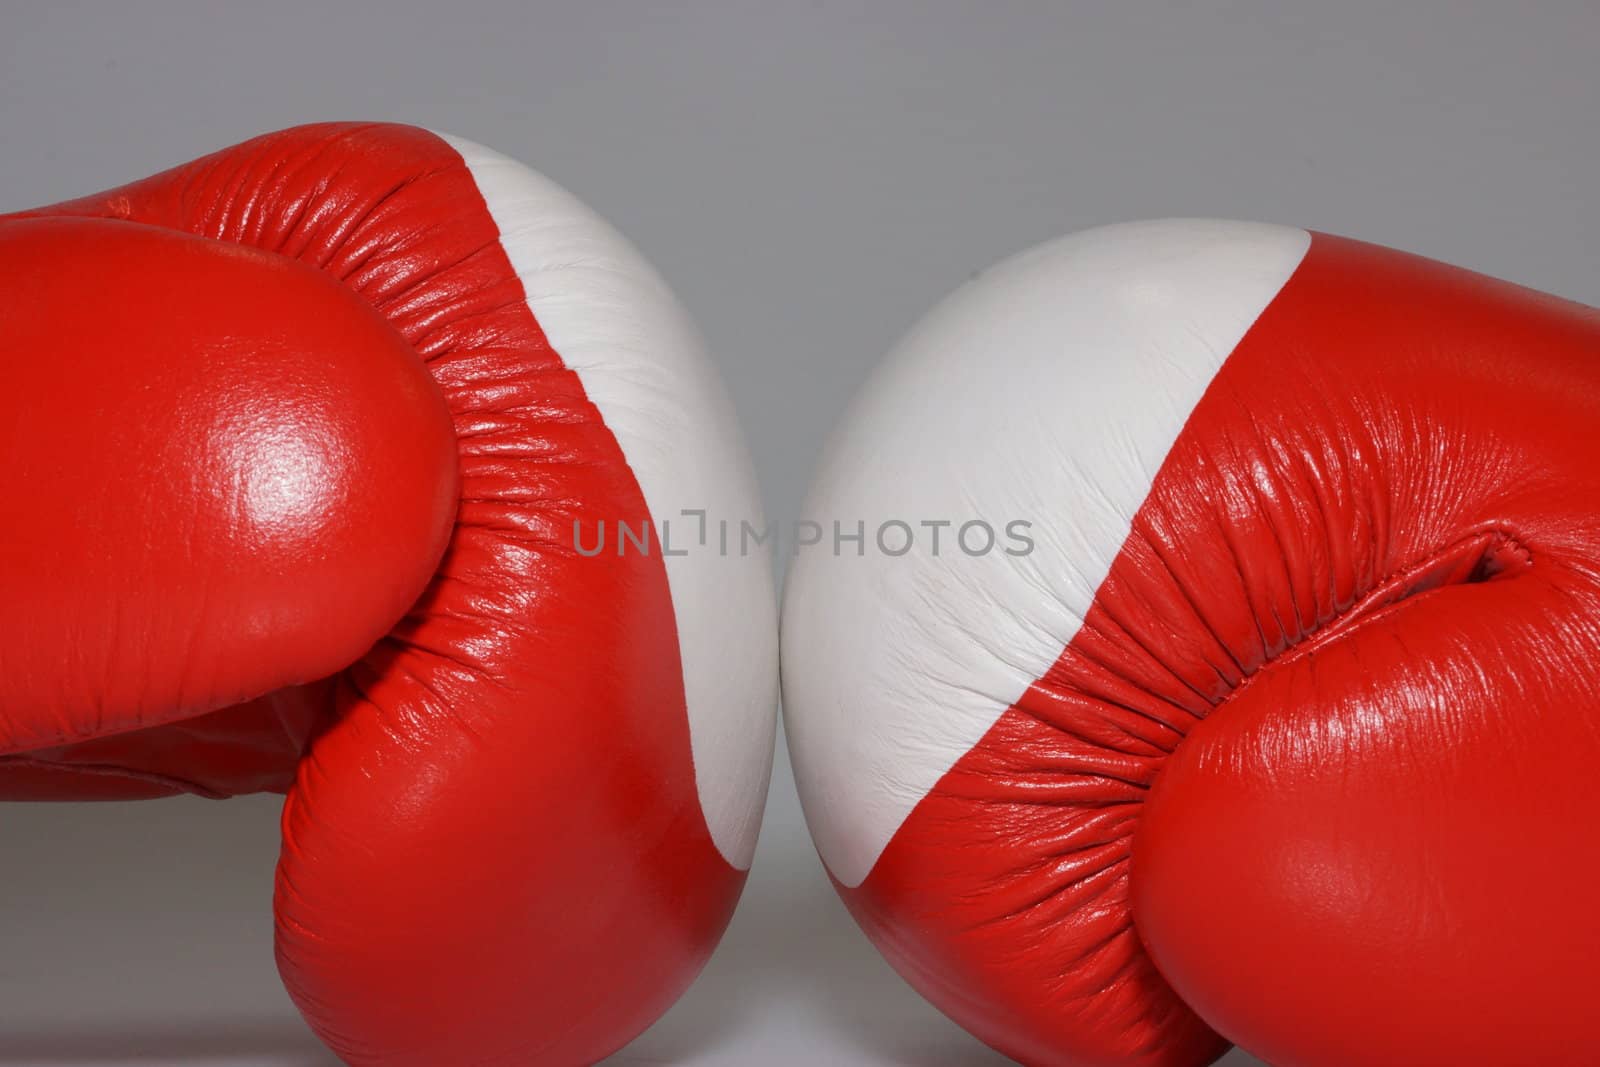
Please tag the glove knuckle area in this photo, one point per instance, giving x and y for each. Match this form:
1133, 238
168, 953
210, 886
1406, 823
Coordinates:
973, 792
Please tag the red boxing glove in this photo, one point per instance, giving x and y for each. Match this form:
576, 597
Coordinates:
308, 448
1271, 711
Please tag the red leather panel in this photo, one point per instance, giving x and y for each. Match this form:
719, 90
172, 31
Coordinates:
224, 474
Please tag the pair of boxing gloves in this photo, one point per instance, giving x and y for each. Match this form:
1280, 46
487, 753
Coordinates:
1200, 642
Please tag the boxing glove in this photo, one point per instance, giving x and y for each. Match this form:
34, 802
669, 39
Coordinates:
1221, 659
311, 448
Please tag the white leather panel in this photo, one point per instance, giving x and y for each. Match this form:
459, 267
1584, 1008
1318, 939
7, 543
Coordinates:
1047, 390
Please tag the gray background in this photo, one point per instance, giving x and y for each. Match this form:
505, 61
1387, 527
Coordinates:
810, 178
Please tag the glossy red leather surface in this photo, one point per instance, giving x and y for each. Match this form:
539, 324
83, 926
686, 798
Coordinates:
493, 849
1382, 848
1315, 775
225, 474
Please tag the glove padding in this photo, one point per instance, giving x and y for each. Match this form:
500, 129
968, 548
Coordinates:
1281, 732
298, 437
